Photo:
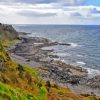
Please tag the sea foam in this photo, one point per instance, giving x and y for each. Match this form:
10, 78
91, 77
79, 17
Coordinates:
81, 63
73, 44
93, 72
63, 54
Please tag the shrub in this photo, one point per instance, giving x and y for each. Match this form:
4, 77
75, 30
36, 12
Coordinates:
56, 86
48, 85
20, 68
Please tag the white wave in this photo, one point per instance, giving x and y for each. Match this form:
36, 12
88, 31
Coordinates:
32, 34
73, 44
81, 63
79, 55
47, 48
63, 54
56, 59
93, 72
63, 60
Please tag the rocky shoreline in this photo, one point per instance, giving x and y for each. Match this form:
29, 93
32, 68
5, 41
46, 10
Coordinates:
56, 71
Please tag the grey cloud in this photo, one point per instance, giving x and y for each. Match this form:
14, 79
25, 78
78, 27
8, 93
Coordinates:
94, 10
35, 14
37, 1
76, 14
64, 2
7, 1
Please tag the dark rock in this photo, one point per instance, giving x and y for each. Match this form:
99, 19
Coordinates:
64, 44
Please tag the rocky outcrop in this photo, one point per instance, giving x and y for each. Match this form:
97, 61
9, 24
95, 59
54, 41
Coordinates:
94, 82
8, 32
60, 72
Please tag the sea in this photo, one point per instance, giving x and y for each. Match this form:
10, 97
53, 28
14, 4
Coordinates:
84, 39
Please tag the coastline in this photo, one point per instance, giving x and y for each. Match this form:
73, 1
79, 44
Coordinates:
30, 53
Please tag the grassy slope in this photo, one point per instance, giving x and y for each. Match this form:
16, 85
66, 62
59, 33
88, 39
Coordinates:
17, 82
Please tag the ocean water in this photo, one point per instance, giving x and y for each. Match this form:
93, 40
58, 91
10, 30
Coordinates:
85, 43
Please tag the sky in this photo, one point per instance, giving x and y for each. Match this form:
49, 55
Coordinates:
85, 12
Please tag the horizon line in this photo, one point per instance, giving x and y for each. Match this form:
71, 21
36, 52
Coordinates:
62, 24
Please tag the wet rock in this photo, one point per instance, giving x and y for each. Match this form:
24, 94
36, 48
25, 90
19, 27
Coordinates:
67, 44
94, 82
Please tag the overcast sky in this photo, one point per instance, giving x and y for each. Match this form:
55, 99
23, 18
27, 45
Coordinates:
50, 11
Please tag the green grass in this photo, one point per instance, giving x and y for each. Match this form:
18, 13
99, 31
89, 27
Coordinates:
9, 93
32, 71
